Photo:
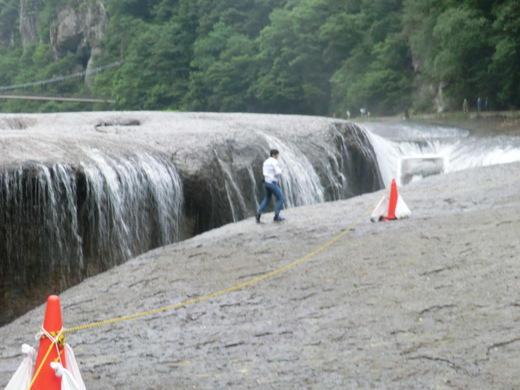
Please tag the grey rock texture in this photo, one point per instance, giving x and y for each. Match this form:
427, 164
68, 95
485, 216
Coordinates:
81, 192
78, 27
29, 21
430, 302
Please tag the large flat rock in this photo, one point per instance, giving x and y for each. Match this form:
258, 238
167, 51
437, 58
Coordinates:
63, 136
430, 302
81, 192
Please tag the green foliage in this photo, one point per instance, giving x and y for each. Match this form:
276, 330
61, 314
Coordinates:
294, 76
377, 74
222, 68
48, 13
154, 74
458, 33
9, 64
505, 66
8, 21
281, 56
138, 9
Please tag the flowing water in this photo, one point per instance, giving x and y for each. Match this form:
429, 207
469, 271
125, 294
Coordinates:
69, 218
131, 204
423, 150
61, 224
322, 160
300, 181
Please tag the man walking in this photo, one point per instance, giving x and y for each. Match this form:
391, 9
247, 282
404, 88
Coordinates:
272, 171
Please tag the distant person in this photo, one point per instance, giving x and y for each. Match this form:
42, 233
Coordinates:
363, 112
348, 114
479, 104
465, 106
272, 172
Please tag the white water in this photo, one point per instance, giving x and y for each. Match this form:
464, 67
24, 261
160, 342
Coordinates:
126, 205
300, 181
134, 203
394, 142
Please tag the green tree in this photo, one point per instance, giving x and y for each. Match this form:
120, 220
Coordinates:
463, 55
282, 56
294, 76
277, 88
377, 74
505, 66
247, 17
223, 69
8, 22
154, 75
137, 9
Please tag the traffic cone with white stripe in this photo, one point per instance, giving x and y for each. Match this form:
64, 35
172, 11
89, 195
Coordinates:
51, 348
390, 207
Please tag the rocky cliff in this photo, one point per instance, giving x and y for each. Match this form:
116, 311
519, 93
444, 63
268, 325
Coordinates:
30, 21
78, 27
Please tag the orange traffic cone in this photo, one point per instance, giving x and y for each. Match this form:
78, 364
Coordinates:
392, 202
50, 350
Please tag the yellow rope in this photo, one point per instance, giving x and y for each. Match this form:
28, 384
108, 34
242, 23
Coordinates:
228, 290
53, 342
270, 274
248, 283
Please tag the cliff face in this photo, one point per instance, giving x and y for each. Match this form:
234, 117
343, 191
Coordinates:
77, 28
29, 21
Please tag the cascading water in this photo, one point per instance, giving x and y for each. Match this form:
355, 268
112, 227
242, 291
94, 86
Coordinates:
60, 223
428, 149
335, 162
131, 204
300, 181
96, 195
39, 229
82, 192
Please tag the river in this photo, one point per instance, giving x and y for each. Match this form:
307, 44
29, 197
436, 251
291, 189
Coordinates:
410, 151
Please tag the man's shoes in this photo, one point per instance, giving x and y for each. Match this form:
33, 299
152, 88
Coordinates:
278, 219
258, 218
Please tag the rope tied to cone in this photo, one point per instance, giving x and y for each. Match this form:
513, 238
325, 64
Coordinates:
57, 338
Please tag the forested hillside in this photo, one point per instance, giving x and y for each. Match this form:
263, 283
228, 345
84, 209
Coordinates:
315, 57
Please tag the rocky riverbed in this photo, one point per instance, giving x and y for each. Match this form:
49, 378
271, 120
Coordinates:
430, 302
82, 192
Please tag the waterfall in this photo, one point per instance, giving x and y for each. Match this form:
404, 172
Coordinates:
61, 223
78, 198
132, 204
428, 149
300, 182
39, 241
335, 162
95, 198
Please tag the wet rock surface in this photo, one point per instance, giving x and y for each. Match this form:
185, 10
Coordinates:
430, 302
82, 192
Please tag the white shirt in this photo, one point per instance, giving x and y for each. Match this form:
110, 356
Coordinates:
271, 170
